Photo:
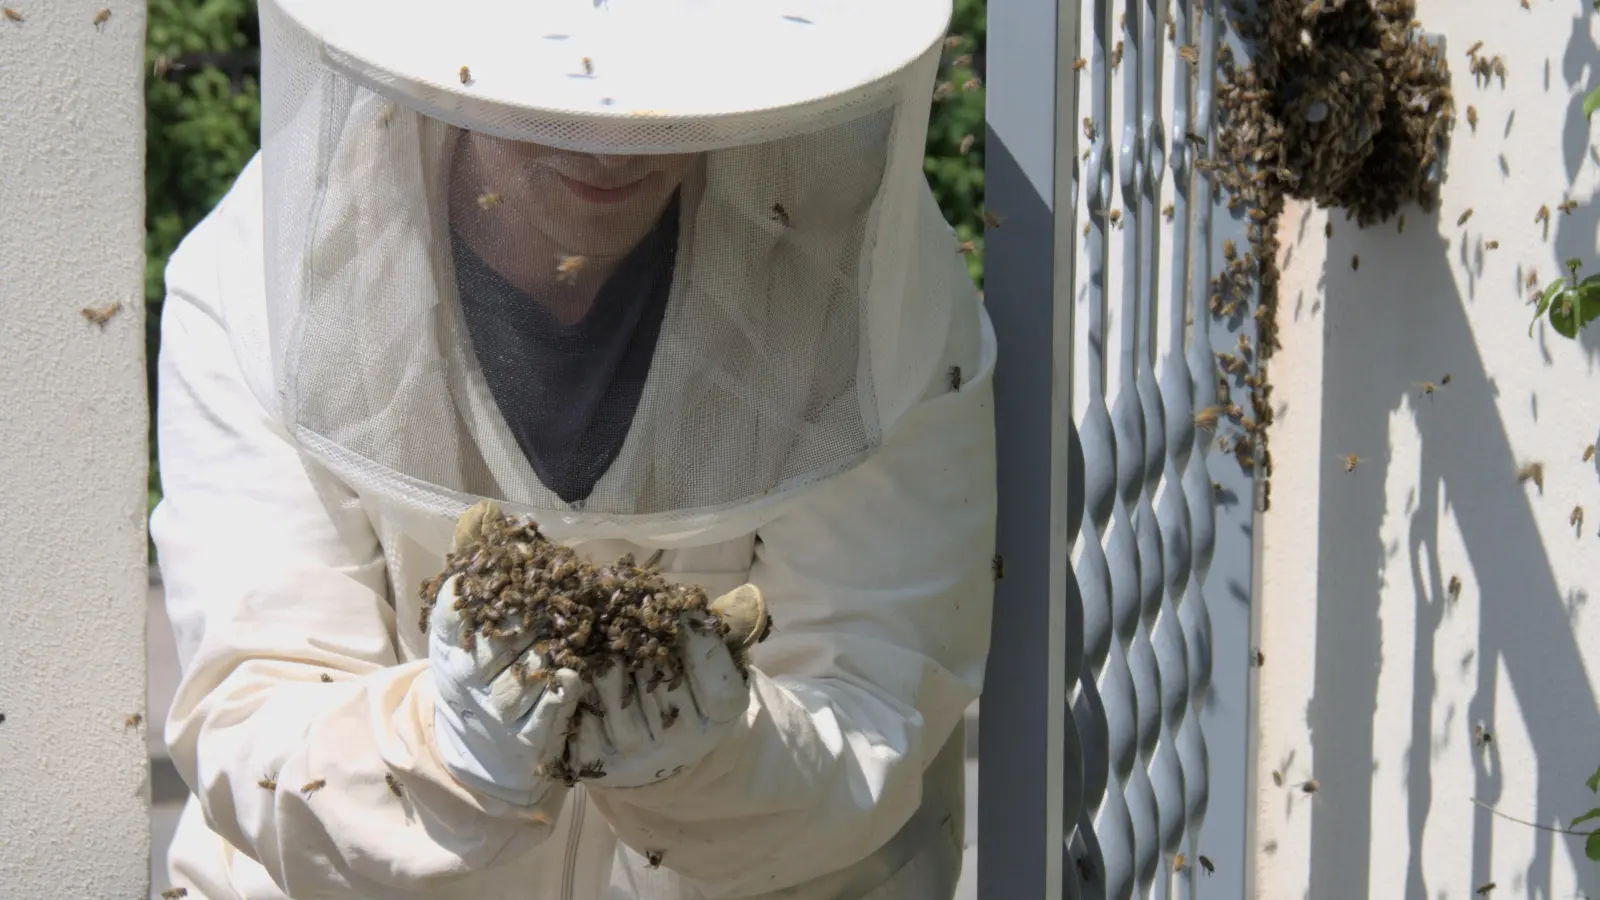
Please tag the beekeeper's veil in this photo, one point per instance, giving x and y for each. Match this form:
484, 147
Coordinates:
635, 267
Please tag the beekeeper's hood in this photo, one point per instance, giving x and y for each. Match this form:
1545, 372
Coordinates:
634, 267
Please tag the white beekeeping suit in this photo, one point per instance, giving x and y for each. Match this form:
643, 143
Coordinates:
663, 275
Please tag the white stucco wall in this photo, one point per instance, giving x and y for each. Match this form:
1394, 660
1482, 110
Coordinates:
1375, 677
73, 779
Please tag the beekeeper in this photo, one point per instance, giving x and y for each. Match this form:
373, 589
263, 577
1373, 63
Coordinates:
664, 275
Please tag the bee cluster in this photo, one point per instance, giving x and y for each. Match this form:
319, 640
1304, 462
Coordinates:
1343, 103
515, 584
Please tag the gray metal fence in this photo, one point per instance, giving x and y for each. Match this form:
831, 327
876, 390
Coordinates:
1115, 741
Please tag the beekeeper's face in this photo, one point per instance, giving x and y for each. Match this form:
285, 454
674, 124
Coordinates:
585, 203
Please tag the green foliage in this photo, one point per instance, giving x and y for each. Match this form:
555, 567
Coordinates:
1569, 303
956, 177
1591, 843
201, 127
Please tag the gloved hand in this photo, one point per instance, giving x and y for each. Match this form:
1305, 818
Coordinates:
634, 735
501, 720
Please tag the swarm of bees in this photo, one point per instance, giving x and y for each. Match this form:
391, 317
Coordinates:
516, 583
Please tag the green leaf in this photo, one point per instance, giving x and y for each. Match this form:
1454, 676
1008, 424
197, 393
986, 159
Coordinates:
1591, 814
1591, 847
1550, 292
1592, 102
1594, 780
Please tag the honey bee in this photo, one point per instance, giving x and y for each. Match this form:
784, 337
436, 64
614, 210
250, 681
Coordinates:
1351, 461
102, 17
966, 144
466, 75
1567, 206
1312, 10
568, 267
669, 716
394, 784
1310, 786
961, 61
386, 114
653, 858
1542, 216
1428, 388
1088, 129
594, 769
1454, 587
1473, 50
1464, 217
955, 378
174, 893
1526, 4
1355, 263
1481, 736
967, 247
1206, 419
1533, 472
269, 784
1576, 519
326, 678
1244, 344
1499, 67
1484, 889
588, 66
942, 91
1206, 865
161, 66
1277, 778
10, 14
1116, 56
134, 720
1116, 217
1588, 453
992, 218
780, 215
998, 565
311, 787
1190, 54
1079, 64
1177, 863
1532, 281
1258, 659
953, 41
1472, 117
100, 315
488, 200
972, 84
1228, 250
1491, 245
1168, 211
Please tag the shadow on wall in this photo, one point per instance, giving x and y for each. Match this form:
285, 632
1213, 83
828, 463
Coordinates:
1398, 321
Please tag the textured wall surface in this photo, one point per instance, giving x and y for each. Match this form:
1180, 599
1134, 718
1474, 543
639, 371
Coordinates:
73, 771
1376, 676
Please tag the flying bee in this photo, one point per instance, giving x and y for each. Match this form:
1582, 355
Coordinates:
174, 893
269, 784
966, 144
1258, 658
1588, 453
1351, 461
1464, 217
1472, 117
1310, 786
1567, 206
102, 17
1206, 865
1542, 216
134, 720
1428, 388
10, 14
1491, 245
311, 787
394, 784
1168, 211
953, 41
1116, 217
1532, 281
998, 565
942, 91
1473, 50
1177, 863
1533, 472
1206, 419
466, 75
100, 315
1079, 64
955, 378
1499, 67
1190, 54
1116, 56
1576, 519
1228, 250
1484, 889
488, 200
568, 267
972, 84
961, 61
1355, 263
1481, 736
653, 858
967, 247
588, 66
992, 218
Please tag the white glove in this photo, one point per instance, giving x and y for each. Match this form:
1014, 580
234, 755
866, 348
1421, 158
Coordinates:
499, 727
644, 736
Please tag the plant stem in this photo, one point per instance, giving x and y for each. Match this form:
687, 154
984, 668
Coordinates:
1526, 822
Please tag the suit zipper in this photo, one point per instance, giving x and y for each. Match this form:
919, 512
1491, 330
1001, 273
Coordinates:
569, 866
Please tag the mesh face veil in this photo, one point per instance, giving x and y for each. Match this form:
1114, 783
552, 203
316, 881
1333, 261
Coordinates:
643, 300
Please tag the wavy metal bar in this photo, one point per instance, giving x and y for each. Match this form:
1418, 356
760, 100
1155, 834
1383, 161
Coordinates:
1196, 480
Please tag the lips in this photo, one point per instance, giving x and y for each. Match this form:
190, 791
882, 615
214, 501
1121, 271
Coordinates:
602, 194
